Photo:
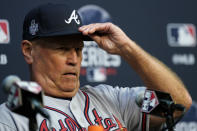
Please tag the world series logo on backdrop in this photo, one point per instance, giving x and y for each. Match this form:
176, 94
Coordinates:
97, 64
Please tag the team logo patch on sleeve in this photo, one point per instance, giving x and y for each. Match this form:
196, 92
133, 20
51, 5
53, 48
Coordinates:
150, 101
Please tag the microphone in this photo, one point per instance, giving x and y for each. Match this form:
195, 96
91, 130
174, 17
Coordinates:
156, 102
24, 97
160, 104
95, 128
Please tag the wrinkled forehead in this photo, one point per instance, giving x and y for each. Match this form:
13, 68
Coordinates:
66, 41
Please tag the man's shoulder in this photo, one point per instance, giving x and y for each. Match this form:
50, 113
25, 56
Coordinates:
108, 91
98, 87
108, 88
6, 120
4, 112
101, 88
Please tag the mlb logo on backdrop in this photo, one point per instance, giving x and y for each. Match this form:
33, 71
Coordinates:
96, 74
181, 35
4, 31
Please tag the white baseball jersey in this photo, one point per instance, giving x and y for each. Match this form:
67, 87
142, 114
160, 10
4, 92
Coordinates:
113, 108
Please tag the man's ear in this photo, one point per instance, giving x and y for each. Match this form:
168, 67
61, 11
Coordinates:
27, 48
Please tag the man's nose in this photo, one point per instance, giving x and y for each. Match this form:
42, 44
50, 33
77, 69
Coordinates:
72, 57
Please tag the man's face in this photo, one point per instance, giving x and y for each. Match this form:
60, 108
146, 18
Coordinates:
56, 65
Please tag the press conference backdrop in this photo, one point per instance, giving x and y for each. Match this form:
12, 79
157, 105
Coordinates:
166, 29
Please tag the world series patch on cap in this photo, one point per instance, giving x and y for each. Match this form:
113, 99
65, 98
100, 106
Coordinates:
52, 20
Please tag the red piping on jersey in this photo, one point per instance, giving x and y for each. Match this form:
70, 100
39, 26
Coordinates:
87, 107
121, 128
118, 122
144, 121
63, 113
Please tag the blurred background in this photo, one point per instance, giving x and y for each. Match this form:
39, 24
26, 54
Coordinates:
166, 29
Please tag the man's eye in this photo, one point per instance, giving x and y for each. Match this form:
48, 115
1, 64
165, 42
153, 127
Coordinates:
78, 49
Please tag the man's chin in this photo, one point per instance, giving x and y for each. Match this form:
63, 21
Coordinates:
69, 88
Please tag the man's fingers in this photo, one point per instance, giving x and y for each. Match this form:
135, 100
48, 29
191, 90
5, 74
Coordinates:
96, 38
88, 29
83, 28
92, 28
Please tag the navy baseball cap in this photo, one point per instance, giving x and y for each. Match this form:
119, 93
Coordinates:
50, 20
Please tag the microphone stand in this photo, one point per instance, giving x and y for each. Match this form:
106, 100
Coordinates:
169, 119
36, 108
32, 122
161, 104
169, 108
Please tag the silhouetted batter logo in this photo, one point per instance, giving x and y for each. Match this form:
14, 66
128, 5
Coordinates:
96, 74
181, 35
4, 31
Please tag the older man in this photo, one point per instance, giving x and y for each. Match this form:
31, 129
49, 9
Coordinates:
52, 47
